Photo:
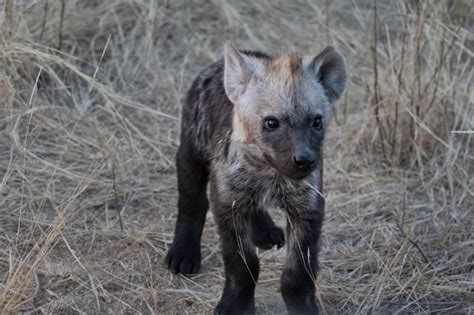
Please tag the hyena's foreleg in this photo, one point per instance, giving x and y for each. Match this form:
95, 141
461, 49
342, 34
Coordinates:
240, 264
265, 234
297, 281
184, 255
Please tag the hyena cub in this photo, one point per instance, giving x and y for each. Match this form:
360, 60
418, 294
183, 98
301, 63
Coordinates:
253, 125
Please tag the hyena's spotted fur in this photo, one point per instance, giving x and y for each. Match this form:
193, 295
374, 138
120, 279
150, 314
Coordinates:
226, 141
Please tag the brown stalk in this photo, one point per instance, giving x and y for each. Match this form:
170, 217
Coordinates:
61, 24
376, 98
45, 16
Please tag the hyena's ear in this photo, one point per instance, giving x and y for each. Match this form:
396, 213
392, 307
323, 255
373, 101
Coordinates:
238, 70
330, 69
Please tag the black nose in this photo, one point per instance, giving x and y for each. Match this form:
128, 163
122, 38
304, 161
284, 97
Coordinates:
303, 160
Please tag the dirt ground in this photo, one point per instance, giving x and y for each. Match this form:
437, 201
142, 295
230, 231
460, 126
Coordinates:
90, 96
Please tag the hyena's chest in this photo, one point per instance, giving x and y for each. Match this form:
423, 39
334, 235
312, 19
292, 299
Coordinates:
251, 189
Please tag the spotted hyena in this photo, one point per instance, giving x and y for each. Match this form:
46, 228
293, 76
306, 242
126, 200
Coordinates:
253, 126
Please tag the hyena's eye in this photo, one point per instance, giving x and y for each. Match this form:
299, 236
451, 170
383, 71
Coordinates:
271, 123
318, 122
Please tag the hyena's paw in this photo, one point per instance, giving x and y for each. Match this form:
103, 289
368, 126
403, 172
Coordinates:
235, 305
184, 260
268, 237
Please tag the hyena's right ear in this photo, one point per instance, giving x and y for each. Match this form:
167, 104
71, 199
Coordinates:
238, 70
330, 69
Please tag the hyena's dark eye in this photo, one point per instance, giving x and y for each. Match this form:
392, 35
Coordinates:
271, 123
318, 122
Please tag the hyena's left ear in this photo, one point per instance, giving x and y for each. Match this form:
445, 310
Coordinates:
330, 69
238, 70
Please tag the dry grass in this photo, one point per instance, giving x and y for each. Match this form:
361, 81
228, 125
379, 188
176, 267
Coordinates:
90, 93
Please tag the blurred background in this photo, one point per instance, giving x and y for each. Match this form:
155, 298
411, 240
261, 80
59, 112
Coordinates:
90, 97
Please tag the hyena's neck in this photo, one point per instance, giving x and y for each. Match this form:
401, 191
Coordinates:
247, 156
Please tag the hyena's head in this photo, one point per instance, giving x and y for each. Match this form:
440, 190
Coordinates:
282, 105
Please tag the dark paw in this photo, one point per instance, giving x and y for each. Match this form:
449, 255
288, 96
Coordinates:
269, 237
226, 308
303, 310
183, 260
299, 306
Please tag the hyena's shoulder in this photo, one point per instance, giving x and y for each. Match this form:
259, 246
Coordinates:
207, 112
201, 105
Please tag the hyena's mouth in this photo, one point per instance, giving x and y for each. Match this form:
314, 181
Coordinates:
293, 172
300, 174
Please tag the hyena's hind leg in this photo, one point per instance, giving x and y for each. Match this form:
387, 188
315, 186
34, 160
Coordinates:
184, 255
264, 233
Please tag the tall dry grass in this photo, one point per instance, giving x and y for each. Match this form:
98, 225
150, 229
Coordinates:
90, 94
